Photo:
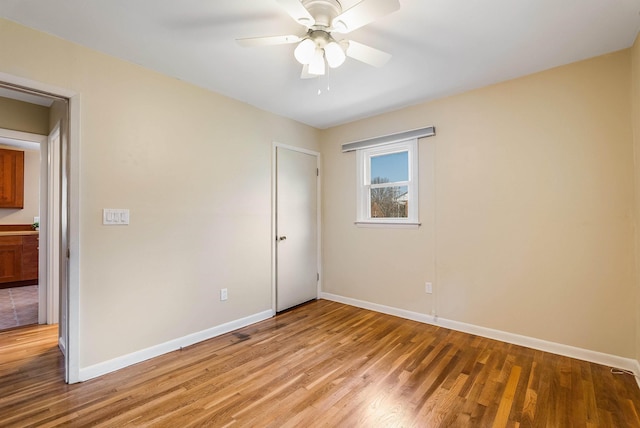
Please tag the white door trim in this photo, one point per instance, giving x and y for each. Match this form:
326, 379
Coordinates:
274, 171
21, 139
72, 233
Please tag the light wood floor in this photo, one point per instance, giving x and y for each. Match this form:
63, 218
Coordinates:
322, 364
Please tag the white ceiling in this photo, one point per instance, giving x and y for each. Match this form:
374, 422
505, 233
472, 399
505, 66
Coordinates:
439, 47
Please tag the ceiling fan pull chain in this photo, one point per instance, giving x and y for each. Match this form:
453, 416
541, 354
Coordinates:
328, 74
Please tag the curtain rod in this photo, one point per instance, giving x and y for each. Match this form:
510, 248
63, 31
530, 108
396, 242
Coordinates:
387, 139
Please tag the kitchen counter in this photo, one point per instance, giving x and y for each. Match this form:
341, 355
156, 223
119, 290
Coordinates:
20, 232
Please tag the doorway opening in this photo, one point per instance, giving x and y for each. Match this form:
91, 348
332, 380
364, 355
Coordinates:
54, 203
20, 162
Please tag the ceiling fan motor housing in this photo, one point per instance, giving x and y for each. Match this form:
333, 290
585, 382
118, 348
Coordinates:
323, 11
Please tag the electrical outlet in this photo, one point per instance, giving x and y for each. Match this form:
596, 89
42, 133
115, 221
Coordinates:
223, 294
428, 288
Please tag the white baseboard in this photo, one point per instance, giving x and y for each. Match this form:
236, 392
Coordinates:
530, 342
118, 363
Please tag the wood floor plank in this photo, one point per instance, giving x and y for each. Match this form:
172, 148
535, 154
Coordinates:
322, 364
504, 409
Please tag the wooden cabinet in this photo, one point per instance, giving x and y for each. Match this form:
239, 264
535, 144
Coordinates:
18, 260
11, 179
10, 258
29, 257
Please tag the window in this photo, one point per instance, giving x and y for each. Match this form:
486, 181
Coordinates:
388, 184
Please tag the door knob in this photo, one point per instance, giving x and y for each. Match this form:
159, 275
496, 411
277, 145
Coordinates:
282, 238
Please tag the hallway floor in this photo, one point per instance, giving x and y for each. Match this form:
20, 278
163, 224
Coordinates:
18, 306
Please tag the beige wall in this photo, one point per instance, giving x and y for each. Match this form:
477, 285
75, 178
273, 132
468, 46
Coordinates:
31, 191
635, 108
527, 210
193, 167
20, 116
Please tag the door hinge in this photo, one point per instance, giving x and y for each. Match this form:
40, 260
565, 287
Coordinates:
317, 172
318, 277
68, 253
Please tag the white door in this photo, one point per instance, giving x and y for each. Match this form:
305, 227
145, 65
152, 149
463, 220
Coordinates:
66, 323
53, 228
296, 227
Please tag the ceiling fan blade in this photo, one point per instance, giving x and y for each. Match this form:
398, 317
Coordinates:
367, 54
298, 12
268, 41
305, 73
363, 13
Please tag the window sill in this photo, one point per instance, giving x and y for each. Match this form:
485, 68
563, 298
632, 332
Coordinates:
387, 224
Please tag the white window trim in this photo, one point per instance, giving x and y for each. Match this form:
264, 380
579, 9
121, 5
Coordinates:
363, 156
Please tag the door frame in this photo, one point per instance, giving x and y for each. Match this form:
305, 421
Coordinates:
70, 214
274, 217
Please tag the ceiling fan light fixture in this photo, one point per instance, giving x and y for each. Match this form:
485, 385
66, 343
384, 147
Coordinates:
317, 48
334, 54
316, 66
305, 51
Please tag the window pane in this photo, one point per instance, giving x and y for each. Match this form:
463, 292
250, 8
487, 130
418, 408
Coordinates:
390, 168
389, 202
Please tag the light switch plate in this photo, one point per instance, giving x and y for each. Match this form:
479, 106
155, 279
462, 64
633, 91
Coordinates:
117, 216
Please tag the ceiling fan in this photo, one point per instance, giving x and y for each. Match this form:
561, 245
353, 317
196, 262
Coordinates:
324, 18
